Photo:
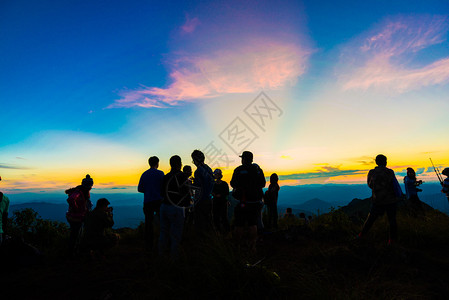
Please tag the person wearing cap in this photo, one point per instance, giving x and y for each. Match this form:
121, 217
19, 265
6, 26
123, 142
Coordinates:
445, 183
247, 182
203, 181
79, 205
220, 203
150, 185
96, 239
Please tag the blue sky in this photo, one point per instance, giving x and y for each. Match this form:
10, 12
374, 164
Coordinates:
98, 86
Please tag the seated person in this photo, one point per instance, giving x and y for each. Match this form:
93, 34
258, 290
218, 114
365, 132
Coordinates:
96, 238
289, 213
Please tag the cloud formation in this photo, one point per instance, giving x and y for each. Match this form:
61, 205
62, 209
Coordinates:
326, 172
190, 24
5, 166
258, 65
384, 57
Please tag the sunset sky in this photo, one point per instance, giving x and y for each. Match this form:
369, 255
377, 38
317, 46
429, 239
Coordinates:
315, 89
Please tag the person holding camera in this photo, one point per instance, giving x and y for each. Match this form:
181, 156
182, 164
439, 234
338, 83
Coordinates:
445, 183
97, 239
411, 190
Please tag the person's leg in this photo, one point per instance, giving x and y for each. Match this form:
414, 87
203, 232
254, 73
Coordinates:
391, 214
224, 217
176, 228
75, 228
375, 212
238, 225
269, 224
260, 226
275, 217
149, 215
164, 229
252, 231
216, 215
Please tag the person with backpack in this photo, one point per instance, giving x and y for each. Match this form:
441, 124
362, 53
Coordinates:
248, 182
203, 181
79, 205
271, 201
445, 183
411, 190
386, 192
4, 210
150, 185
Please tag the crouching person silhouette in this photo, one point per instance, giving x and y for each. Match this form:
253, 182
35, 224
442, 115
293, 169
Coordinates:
97, 238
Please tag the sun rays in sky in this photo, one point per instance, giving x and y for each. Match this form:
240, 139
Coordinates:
99, 87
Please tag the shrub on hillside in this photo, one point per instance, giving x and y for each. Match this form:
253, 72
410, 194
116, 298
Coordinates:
27, 225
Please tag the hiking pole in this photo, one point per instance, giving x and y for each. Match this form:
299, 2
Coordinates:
437, 171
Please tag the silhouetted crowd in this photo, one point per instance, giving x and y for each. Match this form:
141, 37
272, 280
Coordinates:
200, 200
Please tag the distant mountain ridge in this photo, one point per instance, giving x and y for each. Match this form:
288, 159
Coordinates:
124, 216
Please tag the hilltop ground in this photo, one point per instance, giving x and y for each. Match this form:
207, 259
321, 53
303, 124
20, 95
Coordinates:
321, 261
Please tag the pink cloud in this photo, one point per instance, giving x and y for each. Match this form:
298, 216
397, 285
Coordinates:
190, 25
247, 69
383, 60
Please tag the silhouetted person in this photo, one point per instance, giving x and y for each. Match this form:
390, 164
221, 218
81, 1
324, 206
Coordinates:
411, 190
96, 238
150, 184
4, 209
289, 213
304, 220
79, 205
248, 182
445, 183
203, 180
187, 170
176, 198
271, 201
385, 195
220, 203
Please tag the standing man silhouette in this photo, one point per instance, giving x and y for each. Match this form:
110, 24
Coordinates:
248, 182
150, 185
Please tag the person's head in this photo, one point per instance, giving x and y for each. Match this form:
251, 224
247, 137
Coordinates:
87, 182
175, 163
302, 215
445, 172
187, 170
218, 174
381, 160
289, 210
411, 173
247, 158
274, 178
198, 157
102, 204
153, 161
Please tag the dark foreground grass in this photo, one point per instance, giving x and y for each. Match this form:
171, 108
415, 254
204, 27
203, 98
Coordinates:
321, 261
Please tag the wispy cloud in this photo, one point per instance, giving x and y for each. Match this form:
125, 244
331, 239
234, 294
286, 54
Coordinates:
190, 24
6, 166
383, 57
325, 172
259, 65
